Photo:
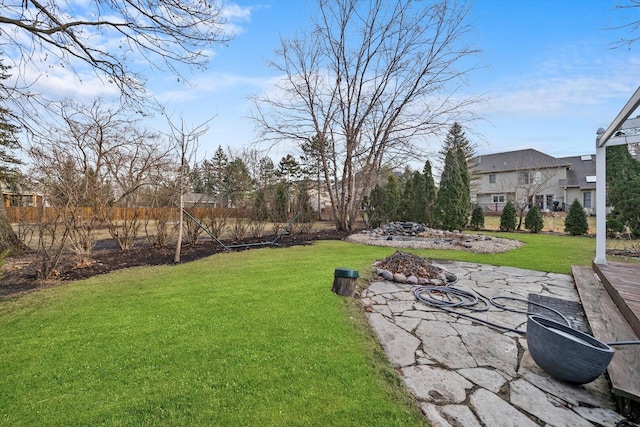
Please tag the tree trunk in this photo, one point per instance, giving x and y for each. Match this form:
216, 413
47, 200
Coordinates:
176, 258
9, 240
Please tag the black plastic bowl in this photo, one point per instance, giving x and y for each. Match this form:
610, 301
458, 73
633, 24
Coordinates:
565, 353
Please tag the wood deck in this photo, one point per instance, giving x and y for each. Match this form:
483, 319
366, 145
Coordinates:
622, 281
608, 324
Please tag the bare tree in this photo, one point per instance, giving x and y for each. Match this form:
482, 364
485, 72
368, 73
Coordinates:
160, 199
131, 166
52, 235
96, 159
185, 142
371, 81
109, 38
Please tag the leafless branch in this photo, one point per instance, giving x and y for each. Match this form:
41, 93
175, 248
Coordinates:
372, 80
110, 37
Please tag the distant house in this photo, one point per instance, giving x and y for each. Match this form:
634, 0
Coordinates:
16, 197
581, 181
528, 177
191, 200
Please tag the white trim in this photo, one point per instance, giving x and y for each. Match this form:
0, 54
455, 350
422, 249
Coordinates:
603, 139
620, 119
601, 205
623, 139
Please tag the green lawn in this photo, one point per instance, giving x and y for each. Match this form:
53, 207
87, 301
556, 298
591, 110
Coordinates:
249, 338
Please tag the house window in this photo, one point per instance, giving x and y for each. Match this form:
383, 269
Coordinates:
538, 178
498, 198
586, 200
529, 177
492, 178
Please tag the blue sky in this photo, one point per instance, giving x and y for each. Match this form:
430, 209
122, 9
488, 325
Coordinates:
550, 75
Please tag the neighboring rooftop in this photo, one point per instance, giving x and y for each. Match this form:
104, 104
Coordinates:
582, 173
516, 160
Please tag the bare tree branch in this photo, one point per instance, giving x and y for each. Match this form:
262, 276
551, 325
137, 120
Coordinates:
111, 37
631, 26
371, 81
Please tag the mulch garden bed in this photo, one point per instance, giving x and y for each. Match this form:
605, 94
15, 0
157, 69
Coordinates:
21, 276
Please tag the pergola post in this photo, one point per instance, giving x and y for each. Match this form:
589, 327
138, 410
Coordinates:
607, 137
601, 205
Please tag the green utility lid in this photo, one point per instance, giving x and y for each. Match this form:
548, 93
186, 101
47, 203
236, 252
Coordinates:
346, 272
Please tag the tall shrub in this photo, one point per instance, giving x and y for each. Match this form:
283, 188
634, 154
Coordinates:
465, 191
451, 208
508, 217
477, 218
533, 221
373, 206
305, 221
576, 221
407, 210
392, 199
420, 202
430, 195
279, 209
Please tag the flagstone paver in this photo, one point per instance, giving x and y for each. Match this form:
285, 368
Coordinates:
464, 373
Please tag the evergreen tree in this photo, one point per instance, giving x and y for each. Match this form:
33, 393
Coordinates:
303, 204
456, 138
576, 221
289, 169
452, 211
207, 176
266, 173
533, 221
237, 182
623, 188
508, 217
196, 179
219, 164
420, 201
465, 196
373, 205
260, 209
477, 218
430, 195
279, 211
8, 169
391, 205
407, 204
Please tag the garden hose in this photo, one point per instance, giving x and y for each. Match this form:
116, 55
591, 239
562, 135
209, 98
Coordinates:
448, 298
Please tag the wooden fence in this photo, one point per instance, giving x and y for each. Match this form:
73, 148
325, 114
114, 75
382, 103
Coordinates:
32, 214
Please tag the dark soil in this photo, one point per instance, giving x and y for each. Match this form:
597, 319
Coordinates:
21, 272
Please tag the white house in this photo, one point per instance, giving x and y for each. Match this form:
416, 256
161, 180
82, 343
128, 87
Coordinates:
528, 177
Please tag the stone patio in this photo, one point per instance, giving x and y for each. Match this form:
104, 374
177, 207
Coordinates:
463, 373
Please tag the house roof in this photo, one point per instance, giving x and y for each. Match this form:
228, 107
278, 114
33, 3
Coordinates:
516, 160
199, 198
582, 172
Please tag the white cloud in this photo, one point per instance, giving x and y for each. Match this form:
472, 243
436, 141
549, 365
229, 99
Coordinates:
211, 83
561, 86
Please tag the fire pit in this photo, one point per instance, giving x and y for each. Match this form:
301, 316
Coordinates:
408, 268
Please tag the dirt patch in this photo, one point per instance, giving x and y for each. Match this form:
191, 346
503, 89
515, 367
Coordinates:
21, 272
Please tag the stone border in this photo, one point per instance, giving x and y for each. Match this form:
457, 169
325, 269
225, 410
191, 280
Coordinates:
477, 243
